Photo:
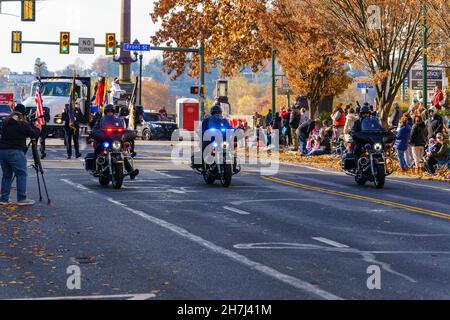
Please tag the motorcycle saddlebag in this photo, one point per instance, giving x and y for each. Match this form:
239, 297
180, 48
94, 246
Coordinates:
89, 162
349, 161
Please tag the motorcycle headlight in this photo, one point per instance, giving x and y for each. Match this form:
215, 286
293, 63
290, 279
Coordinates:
116, 145
378, 147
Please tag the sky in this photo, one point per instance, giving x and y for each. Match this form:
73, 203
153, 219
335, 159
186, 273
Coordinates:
83, 18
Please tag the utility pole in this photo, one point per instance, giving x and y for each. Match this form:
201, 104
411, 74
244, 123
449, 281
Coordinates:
425, 56
125, 37
274, 81
202, 80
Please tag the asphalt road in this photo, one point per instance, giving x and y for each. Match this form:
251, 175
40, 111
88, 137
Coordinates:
301, 234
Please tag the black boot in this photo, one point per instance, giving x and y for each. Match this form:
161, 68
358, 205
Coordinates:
134, 174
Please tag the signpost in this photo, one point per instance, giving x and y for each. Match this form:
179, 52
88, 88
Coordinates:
435, 77
136, 47
86, 46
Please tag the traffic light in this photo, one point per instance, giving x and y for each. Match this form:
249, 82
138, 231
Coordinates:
111, 44
64, 43
16, 42
198, 90
28, 10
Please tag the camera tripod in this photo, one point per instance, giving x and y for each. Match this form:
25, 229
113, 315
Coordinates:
37, 166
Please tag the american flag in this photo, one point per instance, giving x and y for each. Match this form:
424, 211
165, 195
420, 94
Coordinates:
39, 105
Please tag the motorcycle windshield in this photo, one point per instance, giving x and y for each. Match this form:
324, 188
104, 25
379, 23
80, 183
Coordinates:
112, 122
371, 124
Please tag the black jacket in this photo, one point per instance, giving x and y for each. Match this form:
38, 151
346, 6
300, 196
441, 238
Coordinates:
78, 118
434, 126
295, 119
15, 134
419, 135
306, 128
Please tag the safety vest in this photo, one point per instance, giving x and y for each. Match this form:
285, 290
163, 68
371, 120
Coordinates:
341, 121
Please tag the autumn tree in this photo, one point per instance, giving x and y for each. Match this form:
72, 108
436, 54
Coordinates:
439, 16
385, 36
156, 95
307, 51
229, 33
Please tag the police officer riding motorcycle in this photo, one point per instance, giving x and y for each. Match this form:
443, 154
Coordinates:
370, 158
112, 160
218, 159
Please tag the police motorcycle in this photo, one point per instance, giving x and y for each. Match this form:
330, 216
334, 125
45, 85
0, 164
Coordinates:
372, 159
112, 153
218, 162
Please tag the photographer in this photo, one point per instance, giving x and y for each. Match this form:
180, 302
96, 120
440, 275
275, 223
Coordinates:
13, 161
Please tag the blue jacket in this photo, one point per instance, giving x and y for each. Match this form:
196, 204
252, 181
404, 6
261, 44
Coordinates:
403, 137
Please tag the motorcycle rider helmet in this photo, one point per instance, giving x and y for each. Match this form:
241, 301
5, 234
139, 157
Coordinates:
110, 109
216, 109
365, 110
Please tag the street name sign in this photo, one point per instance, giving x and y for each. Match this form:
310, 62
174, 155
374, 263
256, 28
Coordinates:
136, 47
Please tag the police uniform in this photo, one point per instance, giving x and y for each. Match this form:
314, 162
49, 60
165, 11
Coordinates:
72, 133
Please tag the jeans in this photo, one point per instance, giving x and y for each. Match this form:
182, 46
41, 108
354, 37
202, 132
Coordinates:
303, 143
115, 101
13, 162
401, 159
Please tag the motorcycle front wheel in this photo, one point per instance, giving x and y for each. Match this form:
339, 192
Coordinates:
118, 176
380, 177
104, 181
227, 175
361, 181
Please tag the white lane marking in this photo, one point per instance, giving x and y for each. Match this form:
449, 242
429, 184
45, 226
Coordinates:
416, 235
420, 185
178, 191
289, 280
241, 212
389, 179
331, 243
165, 174
77, 185
137, 297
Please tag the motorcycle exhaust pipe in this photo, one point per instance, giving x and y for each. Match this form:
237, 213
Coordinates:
101, 161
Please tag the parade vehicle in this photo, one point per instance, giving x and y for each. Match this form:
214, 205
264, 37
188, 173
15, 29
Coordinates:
375, 162
154, 127
109, 165
56, 95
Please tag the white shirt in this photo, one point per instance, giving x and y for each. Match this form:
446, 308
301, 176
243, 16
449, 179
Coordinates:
116, 91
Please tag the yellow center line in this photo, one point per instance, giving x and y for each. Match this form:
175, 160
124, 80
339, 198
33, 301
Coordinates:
359, 197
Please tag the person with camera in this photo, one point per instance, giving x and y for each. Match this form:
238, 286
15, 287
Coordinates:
14, 134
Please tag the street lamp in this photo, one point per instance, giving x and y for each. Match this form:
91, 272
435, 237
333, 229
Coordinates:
140, 56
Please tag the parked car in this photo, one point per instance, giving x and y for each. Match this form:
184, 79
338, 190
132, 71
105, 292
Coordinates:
155, 127
5, 111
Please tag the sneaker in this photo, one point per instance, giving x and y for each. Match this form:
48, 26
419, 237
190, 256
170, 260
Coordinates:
26, 203
79, 155
43, 156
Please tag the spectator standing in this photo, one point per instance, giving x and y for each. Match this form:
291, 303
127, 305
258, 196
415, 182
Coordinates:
294, 123
434, 124
116, 91
285, 117
401, 143
397, 115
418, 142
439, 98
339, 119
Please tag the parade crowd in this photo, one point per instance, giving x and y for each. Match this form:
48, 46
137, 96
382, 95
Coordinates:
422, 135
